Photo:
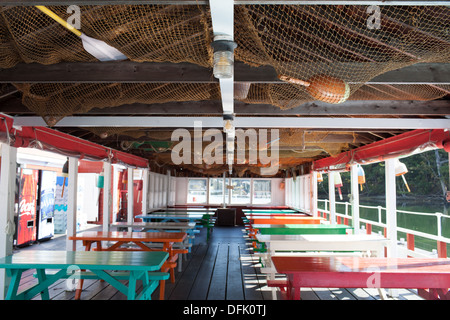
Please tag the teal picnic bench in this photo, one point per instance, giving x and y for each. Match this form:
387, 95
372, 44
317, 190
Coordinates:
110, 266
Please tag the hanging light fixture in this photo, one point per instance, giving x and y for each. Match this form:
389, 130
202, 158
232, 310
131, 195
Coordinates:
223, 57
401, 170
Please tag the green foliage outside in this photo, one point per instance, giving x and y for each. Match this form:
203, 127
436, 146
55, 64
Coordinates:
428, 176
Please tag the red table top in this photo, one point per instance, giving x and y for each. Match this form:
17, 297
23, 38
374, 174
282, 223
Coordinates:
130, 236
356, 264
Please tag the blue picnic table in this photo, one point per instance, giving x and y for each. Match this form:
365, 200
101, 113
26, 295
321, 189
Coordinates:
110, 266
203, 219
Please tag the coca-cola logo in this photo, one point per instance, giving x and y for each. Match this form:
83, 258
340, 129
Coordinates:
26, 208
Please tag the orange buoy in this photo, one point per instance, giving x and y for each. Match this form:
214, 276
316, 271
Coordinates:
323, 88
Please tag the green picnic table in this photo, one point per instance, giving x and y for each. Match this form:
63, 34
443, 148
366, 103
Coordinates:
110, 266
301, 228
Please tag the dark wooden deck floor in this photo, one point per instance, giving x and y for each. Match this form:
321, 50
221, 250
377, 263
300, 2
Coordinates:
221, 269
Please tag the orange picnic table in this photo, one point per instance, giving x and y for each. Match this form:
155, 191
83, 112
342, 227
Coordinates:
139, 239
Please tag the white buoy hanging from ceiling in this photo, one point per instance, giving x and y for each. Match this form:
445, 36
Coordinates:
338, 182
401, 170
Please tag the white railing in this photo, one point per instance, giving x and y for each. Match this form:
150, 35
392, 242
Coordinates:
407, 246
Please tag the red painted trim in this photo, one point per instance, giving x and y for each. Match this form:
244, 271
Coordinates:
53, 140
390, 147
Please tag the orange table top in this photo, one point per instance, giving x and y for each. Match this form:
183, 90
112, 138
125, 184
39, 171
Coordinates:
287, 220
130, 236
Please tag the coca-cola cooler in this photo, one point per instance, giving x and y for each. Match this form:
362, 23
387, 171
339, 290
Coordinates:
46, 205
25, 209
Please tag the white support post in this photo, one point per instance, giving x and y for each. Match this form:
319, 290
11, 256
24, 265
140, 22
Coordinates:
115, 192
145, 187
106, 196
167, 188
72, 188
7, 195
130, 199
332, 197
152, 193
355, 197
313, 192
391, 208
224, 189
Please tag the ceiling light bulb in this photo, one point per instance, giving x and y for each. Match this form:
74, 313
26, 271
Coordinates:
223, 64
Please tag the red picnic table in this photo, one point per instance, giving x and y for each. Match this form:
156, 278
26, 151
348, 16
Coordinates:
431, 276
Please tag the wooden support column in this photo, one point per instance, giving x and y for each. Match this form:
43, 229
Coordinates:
107, 196
130, 201
391, 208
72, 188
355, 197
332, 197
7, 195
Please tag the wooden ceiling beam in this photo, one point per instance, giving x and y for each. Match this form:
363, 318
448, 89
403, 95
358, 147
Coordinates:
356, 108
236, 2
150, 72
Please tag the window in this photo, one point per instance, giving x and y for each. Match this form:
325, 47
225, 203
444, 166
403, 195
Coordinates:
216, 190
240, 194
262, 191
197, 191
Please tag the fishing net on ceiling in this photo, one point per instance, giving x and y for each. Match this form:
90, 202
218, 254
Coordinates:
325, 52
292, 143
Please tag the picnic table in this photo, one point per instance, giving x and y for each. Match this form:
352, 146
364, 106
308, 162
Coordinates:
204, 219
284, 220
199, 210
319, 244
271, 211
324, 242
145, 226
431, 276
187, 227
109, 266
301, 228
140, 239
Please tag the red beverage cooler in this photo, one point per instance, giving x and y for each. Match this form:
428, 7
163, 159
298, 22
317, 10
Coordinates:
26, 206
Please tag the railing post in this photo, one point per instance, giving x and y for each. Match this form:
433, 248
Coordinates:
442, 249
410, 242
368, 228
